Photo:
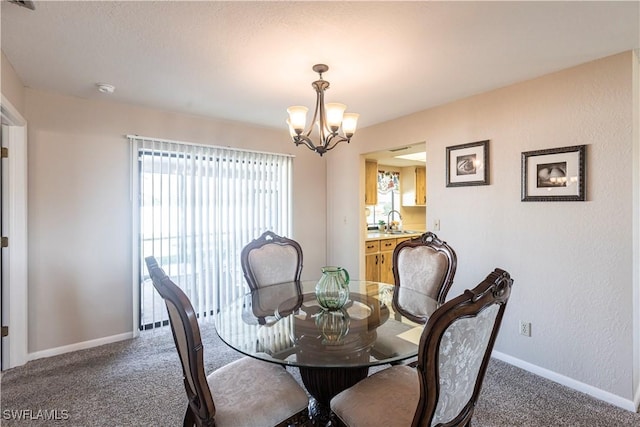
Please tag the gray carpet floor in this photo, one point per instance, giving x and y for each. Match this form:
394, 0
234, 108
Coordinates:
138, 383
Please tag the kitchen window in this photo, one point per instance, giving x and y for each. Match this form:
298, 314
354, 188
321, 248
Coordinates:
388, 198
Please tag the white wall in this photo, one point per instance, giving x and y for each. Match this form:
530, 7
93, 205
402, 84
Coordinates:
10, 84
571, 261
80, 214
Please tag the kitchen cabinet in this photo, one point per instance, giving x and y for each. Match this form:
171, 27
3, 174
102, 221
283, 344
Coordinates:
379, 259
386, 260
370, 182
413, 184
372, 260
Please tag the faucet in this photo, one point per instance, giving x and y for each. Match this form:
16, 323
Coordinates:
389, 218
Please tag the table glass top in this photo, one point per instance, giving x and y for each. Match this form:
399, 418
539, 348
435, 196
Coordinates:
284, 323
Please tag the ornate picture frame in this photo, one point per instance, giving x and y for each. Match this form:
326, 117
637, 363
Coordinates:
554, 175
468, 164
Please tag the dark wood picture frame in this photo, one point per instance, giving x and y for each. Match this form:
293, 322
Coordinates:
468, 164
554, 175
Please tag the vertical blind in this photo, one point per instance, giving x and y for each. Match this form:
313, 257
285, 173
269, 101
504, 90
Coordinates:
197, 208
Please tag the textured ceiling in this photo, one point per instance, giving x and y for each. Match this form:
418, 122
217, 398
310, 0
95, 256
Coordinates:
249, 61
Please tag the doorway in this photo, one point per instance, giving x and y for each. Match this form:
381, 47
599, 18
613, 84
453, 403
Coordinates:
395, 196
395, 185
13, 303
3, 250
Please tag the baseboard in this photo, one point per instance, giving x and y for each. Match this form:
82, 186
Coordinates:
599, 394
79, 346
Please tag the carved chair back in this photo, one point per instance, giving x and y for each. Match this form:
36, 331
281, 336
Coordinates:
186, 334
426, 265
271, 259
455, 348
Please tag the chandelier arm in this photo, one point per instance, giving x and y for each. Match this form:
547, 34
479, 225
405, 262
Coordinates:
338, 139
319, 113
323, 129
315, 116
302, 139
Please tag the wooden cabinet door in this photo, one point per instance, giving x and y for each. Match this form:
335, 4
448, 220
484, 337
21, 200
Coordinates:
386, 267
414, 186
370, 182
386, 260
421, 186
372, 267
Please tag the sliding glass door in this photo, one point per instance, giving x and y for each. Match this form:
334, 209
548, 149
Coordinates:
198, 207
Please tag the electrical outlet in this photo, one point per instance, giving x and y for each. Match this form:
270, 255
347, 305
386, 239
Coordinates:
525, 328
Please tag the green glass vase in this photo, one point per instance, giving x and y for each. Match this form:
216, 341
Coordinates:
332, 290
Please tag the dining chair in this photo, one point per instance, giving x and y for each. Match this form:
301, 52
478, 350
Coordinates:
271, 259
454, 350
425, 265
249, 392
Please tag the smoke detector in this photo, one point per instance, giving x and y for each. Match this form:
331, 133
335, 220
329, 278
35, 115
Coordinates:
105, 88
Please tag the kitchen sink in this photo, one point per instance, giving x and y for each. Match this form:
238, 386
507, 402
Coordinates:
396, 232
403, 232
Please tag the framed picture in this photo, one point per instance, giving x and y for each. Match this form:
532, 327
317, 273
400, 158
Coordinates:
554, 175
468, 164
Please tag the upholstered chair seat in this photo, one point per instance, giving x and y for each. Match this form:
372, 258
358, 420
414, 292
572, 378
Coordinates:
254, 393
395, 390
443, 388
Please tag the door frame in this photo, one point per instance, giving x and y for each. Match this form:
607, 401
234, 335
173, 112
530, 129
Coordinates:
14, 298
636, 226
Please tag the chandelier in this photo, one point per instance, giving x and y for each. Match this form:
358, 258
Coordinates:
327, 118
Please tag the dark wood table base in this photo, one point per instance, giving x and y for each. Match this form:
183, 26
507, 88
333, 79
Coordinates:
323, 384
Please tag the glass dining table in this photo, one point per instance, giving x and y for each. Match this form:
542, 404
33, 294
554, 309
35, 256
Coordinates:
333, 350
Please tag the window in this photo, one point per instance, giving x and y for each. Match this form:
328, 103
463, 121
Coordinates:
388, 197
198, 207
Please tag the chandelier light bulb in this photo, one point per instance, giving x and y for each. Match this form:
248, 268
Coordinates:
297, 117
335, 112
292, 131
349, 124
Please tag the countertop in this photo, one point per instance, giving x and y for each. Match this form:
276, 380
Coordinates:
380, 235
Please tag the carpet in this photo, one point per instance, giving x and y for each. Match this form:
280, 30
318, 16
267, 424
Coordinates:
138, 382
